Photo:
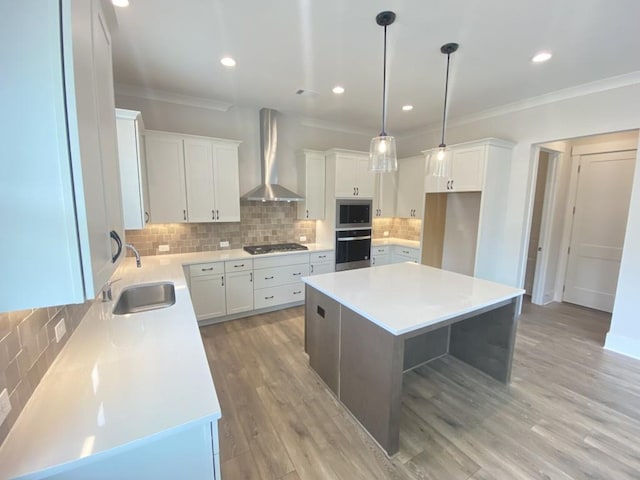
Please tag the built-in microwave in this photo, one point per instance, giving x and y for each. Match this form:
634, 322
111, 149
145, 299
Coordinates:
353, 214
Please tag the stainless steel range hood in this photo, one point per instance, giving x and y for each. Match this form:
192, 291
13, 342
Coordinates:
270, 190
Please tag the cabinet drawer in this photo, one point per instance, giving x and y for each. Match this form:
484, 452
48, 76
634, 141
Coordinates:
202, 269
268, 297
271, 277
316, 257
405, 254
238, 265
380, 250
281, 260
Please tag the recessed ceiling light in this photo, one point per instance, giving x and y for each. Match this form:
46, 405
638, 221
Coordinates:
120, 3
228, 62
338, 90
407, 108
541, 57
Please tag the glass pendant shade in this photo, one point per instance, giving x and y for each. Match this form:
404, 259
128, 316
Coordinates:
382, 154
439, 165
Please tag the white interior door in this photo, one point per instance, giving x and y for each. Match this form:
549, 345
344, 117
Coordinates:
599, 222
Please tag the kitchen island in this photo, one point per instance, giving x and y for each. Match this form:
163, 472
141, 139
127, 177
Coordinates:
364, 328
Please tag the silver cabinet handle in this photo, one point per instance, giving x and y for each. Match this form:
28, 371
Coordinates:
217, 214
213, 215
206, 269
357, 190
298, 292
184, 214
296, 274
239, 266
373, 261
222, 280
322, 256
268, 298
307, 213
269, 278
311, 268
451, 184
354, 191
146, 217
250, 276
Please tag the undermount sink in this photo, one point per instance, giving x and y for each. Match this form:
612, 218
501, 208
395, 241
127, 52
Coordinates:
141, 298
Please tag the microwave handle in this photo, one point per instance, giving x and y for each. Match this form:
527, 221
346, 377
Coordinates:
351, 239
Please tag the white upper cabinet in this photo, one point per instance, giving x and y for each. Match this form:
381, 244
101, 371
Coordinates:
311, 183
192, 179
133, 169
384, 196
59, 187
410, 201
468, 163
352, 175
165, 172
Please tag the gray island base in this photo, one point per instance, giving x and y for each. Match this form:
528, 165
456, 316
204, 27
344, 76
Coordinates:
361, 348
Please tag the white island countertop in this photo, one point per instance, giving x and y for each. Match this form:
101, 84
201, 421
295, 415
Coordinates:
121, 381
405, 297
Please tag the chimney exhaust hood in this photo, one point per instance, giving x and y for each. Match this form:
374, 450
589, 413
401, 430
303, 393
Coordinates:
269, 190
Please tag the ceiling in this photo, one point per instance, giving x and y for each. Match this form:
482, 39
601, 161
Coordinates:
284, 45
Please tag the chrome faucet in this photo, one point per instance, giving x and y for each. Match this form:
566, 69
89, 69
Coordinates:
106, 290
136, 253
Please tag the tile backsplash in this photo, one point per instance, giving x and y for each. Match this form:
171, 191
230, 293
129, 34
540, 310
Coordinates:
261, 222
28, 347
406, 228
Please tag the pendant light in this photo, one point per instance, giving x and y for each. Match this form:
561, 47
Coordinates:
438, 164
382, 151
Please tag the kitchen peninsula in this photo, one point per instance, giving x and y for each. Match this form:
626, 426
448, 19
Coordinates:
365, 327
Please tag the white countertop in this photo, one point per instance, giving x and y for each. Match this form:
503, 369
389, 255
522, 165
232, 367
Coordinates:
121, 380
406, 296
376, 242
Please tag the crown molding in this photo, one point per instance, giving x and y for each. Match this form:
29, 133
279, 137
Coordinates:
610, 83
169, 97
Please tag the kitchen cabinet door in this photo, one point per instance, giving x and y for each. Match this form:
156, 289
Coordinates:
316, 268
380, 255
384, 198
311, 185
61, 189
405, 254
411, 173
198, 168
239, 292
226, 182
467, 168
353, 178
133, 169
165, 171
208, 296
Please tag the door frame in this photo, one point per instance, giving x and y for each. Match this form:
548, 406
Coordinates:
548, 207
577, 152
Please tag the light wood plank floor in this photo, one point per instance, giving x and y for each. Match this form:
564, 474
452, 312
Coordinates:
572, 410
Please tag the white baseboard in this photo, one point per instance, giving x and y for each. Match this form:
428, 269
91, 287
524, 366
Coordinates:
625, 345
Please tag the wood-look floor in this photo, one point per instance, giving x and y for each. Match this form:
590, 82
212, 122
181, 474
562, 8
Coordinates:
572, 410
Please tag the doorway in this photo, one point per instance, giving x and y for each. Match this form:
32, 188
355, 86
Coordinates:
575, 257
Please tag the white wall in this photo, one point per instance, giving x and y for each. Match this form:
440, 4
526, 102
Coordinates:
242, 124
601, 112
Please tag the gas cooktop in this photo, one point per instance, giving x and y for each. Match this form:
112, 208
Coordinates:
279, 247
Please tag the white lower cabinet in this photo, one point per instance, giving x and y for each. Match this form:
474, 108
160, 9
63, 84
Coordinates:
321, 262
190, 453
277, 280
380, 255
404, 254
207, 288
239, 292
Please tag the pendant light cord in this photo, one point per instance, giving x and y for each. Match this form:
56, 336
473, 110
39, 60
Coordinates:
446, 91
384, 85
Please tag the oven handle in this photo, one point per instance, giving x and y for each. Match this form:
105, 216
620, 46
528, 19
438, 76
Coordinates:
351, 239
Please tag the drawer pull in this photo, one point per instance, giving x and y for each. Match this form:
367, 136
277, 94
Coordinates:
239, 266
298, 292
269, 278
207, 269
268, 298
322, 256
296, 274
